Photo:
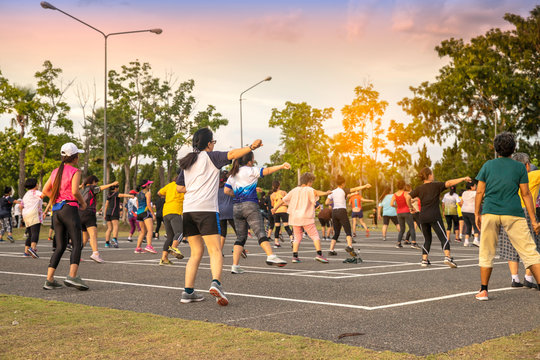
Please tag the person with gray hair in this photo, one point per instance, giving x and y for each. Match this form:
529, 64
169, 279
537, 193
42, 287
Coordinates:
506, 250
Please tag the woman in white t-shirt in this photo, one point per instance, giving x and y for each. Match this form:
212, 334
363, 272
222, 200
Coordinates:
467, 209
32, 213
199, 180
450, 203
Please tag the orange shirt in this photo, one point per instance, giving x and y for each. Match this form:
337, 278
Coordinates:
356, 202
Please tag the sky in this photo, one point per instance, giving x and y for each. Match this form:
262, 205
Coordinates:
315, 51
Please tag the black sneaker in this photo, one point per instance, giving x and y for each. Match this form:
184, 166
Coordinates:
33, 253
415, 246
399, 246
332, 253
11, 239
351, 260
52, 285
530, 285
76, 282
351, 251
407, 242
425, 263
516, 284
450, 262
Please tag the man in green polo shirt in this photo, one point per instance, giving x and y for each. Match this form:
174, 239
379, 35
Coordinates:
500, 180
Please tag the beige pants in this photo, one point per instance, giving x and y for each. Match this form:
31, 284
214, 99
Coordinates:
518, 232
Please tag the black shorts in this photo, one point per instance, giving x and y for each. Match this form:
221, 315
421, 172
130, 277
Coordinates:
386, 220
325, 222
281, 218
358, 214
224, 224
201, 223
88, 219
112, 217
143, 216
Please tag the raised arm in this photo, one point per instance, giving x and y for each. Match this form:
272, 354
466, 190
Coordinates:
321, 193
129, 196
103, 187
361, 187
273, 169
238, 153
453, 182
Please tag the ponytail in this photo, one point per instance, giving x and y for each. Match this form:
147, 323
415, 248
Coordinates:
200, 141
58, 179
275, 186
243, 161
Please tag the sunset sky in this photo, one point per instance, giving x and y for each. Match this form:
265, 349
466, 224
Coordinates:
315, 51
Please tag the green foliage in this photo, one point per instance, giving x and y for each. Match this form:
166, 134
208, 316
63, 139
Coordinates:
9, 155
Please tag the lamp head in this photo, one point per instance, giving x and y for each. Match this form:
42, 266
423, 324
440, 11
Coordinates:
268, 78
47, 5
156, 31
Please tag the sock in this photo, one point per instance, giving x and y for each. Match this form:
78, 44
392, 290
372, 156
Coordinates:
483, 287
319, 252
529, 278
515, 278
216, 281
189, 290
295, 254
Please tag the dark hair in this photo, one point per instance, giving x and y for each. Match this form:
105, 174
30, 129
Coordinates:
452, 190
470, 185
7, 190
307, 178
240, 162
30, 183
401, 185
340, 180
408, 187
504, 144
275, 186
58, 179
424, 173
141, 185
201, 138
90, 180
223, 176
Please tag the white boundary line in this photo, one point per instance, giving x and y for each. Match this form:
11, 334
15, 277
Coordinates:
351, 306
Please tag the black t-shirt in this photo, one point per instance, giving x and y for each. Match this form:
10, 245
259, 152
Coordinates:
113, 209
6, 202
89, 195
429, 195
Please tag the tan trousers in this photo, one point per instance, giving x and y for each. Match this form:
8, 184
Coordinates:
518, 232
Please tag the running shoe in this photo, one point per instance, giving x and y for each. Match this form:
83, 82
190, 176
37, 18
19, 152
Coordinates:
129, 239
144, 240
426, 263
353, 241
353, 234
2, 240
107, 244
52, 285
274, 260
176, 252
244, 254
482, 295
33, 253
26, 255
277, 245
352, 260
236, 269
150, 249
138, 250
193, 297
165, 262
415, 245
115, 243
97, 258
458, 240
321, 259
367, 233
476, 242
384, 238
530, 285
76, 282
406, 242
332, 253
399, 246
351, 251
450, 262
516, 284
296, 260
466, 243
11, 239
217, 291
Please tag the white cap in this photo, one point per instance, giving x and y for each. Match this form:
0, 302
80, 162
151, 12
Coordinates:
69, 149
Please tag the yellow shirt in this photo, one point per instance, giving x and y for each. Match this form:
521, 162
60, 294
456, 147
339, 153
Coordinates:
174, 201
534, 185
275, 197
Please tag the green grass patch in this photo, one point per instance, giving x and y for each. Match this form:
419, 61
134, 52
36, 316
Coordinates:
34, 328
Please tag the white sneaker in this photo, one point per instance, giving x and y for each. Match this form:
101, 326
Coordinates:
97, 258
274, 260
236, 269
466, 243
476, 243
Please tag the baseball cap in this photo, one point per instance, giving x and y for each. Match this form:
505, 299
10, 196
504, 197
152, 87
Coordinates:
69, 149
133, 192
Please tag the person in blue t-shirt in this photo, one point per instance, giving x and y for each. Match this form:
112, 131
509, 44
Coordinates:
389, 213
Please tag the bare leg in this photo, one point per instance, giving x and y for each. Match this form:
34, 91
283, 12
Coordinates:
197, 251
213, 244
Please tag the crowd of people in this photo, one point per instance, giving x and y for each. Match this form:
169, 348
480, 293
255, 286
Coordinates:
497, 209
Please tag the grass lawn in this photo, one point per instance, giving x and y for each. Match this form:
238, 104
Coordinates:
35, 328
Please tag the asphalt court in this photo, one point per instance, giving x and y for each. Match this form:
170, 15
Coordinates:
389, 300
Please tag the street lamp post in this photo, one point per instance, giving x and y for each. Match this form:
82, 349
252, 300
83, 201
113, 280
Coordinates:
242, 93
49, 6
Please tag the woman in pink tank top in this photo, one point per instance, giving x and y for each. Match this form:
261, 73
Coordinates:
62, 188
399, 201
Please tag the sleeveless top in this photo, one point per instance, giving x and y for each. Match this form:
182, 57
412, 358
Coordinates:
141, 202
275, 197
401, 203
65, 186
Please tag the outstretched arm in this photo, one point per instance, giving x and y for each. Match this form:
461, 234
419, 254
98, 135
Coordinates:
321, 193
453, 182
103, 187
273, 169
238, 153
361, 187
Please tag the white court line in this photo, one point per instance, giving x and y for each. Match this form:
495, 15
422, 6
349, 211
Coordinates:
351, 306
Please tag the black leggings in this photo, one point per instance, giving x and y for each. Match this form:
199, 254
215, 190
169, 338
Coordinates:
223, 226
340, 218
33, 234
159, 220
281, 218
402, 219
67, 224
416, 218
438, 227
452, 219
469, 223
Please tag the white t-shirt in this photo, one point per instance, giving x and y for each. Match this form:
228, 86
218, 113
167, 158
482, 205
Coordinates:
339, 196
32, 207
450, 203
202, 182
244, 184
468, 198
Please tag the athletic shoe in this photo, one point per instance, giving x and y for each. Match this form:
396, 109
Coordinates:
277, 245
399, 246
516, 284
166, 262
332, 253
292, 243
107, 244
76, 282
384, 239
367, 233
351, 251
11, 239
97, 258
415, 246
215, 290
476, 242
52, 285
274, 260
458, 240
353, 234
138, 250
2, 240
450, 262
466, 243
193, 297
353, 241
321, 259
33, 253
352, 260
236, 269
296, 260
482, 295
144, 240
244, 254
129, 239
150, 249
176, 252
426, 263
115, 243
406, 242
26, 255
529, 284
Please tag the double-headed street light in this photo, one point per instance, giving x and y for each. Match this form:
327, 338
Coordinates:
49, 6
242, 93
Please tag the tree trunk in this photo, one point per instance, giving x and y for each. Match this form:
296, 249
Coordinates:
127, 170
22, 154
161, 170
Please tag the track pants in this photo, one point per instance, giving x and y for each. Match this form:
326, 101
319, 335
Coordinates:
173, 227
67, 224
33, 234
340, 218
402, 219
438, 227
